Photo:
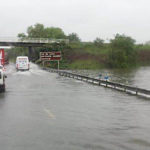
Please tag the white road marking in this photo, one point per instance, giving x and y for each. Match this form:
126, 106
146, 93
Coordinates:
50, 114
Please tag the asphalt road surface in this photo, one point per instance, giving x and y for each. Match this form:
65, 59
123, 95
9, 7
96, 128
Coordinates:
42, 111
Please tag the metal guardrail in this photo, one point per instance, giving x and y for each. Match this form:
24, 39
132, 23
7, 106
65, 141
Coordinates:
32, 40
100, 82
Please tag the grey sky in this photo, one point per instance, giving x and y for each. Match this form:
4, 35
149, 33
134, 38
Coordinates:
88, 18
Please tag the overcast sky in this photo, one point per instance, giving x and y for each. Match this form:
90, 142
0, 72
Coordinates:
88, 18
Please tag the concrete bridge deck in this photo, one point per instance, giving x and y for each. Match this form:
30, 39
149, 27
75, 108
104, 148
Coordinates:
26, 42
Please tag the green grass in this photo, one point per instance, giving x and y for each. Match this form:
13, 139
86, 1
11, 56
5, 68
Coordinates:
86, 64
89, 48
96, 50
142, 47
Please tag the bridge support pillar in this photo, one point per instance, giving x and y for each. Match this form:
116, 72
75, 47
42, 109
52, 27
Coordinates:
30, 52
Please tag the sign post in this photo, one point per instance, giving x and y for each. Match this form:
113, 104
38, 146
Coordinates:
51, 56
43, 63
58, 65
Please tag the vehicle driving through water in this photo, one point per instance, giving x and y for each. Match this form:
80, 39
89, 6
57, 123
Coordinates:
22, 63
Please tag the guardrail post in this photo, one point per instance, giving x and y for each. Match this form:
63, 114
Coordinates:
136, 91
87, 79
93, 81
99, 83
124, 89
106, 83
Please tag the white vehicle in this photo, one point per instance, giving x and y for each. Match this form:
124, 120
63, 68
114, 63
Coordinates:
22, 63
2, 79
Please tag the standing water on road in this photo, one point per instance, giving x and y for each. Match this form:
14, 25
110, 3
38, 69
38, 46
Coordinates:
41, 110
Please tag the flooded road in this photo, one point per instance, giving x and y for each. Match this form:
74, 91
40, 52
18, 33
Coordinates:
42, 110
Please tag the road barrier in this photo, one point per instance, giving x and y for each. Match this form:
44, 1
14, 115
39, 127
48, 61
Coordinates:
105, 83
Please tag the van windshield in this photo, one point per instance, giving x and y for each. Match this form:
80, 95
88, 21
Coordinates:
22, 60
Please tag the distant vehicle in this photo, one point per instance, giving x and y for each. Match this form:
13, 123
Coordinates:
2, 79
22, 63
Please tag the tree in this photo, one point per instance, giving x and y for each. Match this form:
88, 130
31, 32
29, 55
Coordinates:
122, 52
21, 35
36, 31
99, 42
39, 31
55, 33
73, 37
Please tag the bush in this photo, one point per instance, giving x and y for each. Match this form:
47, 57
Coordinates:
122, 53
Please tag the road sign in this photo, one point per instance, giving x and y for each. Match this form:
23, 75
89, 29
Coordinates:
50, 56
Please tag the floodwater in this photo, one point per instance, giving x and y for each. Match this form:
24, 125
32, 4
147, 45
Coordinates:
136, 77
41, 110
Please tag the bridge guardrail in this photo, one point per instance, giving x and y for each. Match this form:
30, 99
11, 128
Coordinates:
32, 40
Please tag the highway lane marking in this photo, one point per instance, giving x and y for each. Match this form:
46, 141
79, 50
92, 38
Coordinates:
50, 114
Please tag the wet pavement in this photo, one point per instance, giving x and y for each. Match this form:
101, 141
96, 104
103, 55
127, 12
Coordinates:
42, 110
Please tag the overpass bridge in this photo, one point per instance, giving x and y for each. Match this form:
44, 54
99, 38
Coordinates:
29, 42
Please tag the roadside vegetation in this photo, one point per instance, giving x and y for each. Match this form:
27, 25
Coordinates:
120, 52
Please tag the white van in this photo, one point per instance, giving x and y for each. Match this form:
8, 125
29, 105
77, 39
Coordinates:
22, 63
2, 80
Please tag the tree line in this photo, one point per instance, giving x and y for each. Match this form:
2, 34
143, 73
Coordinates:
40, 31
121, 50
